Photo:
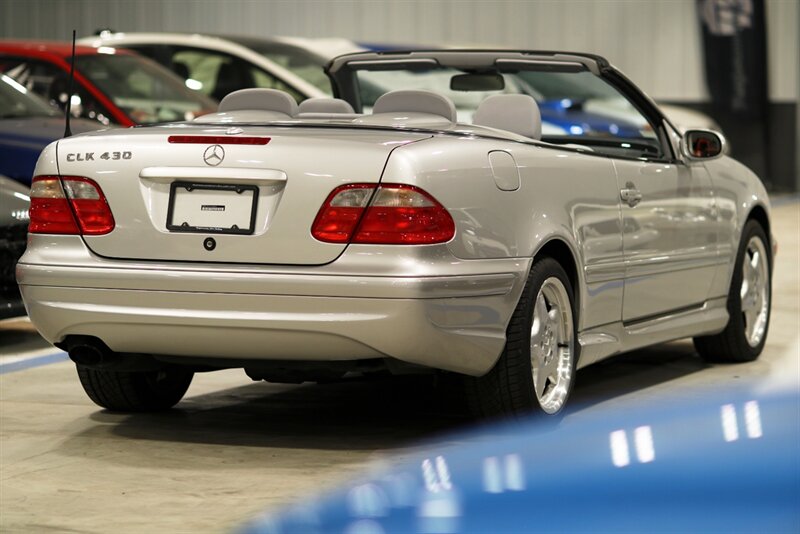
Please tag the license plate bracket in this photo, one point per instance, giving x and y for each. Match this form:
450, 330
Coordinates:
203, 208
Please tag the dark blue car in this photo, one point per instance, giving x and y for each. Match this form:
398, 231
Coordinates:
27, 125
570, 115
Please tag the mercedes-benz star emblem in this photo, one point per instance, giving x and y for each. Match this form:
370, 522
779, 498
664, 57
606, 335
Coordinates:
214, 155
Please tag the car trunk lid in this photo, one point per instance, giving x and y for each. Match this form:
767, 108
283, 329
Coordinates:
209, 200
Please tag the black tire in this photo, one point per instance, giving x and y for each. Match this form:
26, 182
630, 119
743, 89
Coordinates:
731, 345
135, 391
507, 390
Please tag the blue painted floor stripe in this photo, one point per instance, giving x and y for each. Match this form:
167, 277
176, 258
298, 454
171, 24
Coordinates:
37, 361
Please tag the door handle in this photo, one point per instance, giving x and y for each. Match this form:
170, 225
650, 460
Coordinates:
630, 194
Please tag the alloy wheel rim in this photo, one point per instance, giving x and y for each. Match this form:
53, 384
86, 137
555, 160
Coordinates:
552, 345
754, 292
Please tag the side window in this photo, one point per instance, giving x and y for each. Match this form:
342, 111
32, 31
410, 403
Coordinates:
51, 83
579, 107
216, 74
199, 68
155, 52
265, 79
304, 64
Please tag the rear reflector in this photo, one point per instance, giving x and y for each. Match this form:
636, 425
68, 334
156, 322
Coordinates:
217, 140
397, 214
78, 208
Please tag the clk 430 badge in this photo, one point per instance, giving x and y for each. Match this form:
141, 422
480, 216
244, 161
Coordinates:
90, 156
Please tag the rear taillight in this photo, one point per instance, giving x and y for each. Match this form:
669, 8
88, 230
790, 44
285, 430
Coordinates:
69, 205
389, 214
339, 215
50, 211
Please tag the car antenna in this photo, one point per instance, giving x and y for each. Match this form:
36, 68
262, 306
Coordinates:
67, 130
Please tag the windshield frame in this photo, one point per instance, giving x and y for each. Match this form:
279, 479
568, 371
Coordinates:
343, 71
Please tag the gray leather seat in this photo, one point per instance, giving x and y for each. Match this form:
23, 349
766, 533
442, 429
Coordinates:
325, 105
518, 114
415, 101
280, 104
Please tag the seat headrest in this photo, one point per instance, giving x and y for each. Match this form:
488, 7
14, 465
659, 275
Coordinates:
518, 114
259, 100
325, 105
416, 101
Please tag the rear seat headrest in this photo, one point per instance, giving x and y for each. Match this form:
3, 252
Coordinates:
259, 100
325, 105
416, 101
513, 113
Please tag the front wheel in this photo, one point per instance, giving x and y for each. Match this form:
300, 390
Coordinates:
536, 371
748, 303
135, 391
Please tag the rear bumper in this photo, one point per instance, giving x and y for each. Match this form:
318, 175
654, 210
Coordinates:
450, 322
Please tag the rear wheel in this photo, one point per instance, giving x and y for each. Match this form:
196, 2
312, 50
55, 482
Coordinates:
748, 303
536, 371
135, 391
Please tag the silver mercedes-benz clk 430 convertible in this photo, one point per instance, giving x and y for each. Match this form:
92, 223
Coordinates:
481, 219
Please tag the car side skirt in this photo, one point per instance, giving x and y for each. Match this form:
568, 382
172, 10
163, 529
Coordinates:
602, 342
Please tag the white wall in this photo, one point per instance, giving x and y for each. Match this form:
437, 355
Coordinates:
783, 43
655, 42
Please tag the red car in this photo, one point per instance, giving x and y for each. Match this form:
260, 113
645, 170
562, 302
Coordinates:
112, 86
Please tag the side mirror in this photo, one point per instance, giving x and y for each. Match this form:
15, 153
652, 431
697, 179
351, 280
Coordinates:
702, 144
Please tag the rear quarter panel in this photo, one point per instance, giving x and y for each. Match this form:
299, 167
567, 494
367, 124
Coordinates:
563, 195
